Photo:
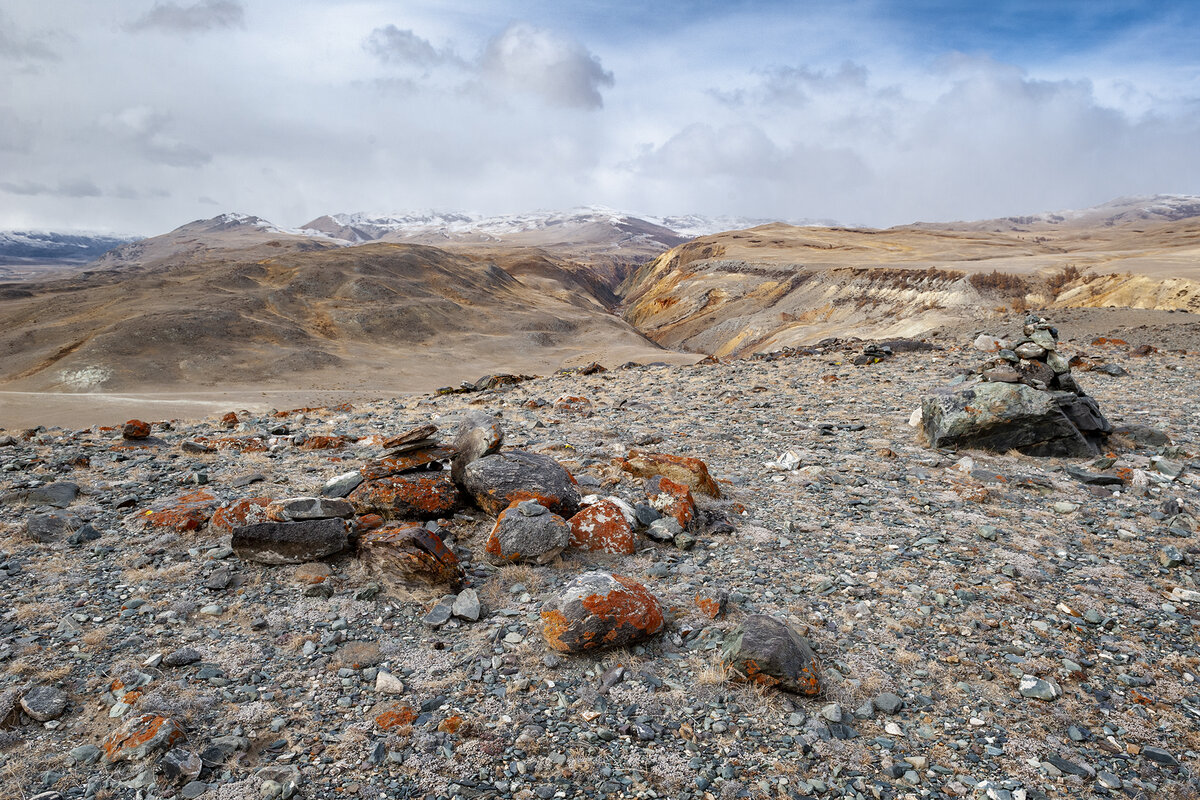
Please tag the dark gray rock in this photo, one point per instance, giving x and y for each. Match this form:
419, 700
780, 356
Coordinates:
290, 542
44, 703
766, 650
296, 509
889, 703
180, 765
181, 657
497, 481
527, 531
58, 495
50, 527
1012, 416
342, 485
1142, 435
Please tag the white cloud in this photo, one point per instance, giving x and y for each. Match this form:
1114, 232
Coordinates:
205, 15
525, 58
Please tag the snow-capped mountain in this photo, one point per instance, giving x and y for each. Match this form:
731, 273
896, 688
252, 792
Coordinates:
45, 247
1123, 210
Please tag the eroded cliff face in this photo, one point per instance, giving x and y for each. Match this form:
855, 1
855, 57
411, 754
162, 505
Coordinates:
759, 290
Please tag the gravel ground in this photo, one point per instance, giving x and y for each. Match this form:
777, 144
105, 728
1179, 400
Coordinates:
935, 588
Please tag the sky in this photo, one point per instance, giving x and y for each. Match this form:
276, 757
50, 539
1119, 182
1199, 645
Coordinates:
141, 115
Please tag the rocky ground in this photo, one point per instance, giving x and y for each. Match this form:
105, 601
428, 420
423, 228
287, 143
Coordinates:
988, 625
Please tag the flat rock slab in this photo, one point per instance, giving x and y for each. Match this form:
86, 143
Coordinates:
296, 509
290, 542
141, 736
767, 651
44, 703
600, 609
421, 495
497, 481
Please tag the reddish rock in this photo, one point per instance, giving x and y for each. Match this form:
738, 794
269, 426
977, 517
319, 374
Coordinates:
140, 736
1143, 350
712, 604
230, 420
424, 495
136, 429
246, 511
578, 405
406, 462
603, 528
402, 555
323, 443
313, 572
599, 609
185, 513
395, 716
769, 652
1104, 340
368, 522
671, 499
240, 444
691, 472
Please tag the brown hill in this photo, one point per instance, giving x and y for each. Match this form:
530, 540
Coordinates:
778, 285
389, 316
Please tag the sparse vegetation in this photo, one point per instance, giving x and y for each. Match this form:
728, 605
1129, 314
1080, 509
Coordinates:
1003, 283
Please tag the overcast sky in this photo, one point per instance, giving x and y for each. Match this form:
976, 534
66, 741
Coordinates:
138, 116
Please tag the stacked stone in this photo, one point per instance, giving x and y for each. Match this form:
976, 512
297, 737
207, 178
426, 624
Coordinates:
1033, 361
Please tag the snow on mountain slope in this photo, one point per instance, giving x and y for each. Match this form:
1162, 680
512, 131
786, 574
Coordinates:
47, 247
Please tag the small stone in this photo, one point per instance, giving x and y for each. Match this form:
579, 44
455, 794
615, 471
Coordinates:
1170, 556
180, 765
181, 657
440, 613
295, 509
466, 605
1160, 756
1108, 780
135, 429
526, 531
140, 736
218, 580
889, 703
387, 683
664, 529
193, 789
342, 485
1039, 689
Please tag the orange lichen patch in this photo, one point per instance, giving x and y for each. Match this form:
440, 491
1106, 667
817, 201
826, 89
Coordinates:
246, 511
387, 467
323, 443
829, 379
692, 472
711, 607
140, 734
1104, 340
313, 574
554, 625
423, 495
1125, 474
396, 717
136, 429
186, 513
368, 522
671, 499
635, 607
602, 528
450, 724
230, 420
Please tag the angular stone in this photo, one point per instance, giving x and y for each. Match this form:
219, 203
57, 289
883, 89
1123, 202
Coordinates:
526, 531
290, 542
691, 472
1002, 417
387, 683
664, 529
600, 609
44, 703
497, 481
440, 614
422, 495
184, 513
888, 703
1160, 756
602, 527
406, 462
403, 555
767, 651
140, 736
1039, 689
296, 509
1029, 350
180, 765
412, 439
50, 527
181, 657
342, 485
466, 605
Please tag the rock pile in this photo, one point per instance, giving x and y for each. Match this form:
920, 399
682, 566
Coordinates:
1023, 399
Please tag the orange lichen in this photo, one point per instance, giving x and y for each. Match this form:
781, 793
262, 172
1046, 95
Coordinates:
323, 443
396, 718
691, 472
602, 528
710, 606
554, 625
246, 511
188, 513
450, 724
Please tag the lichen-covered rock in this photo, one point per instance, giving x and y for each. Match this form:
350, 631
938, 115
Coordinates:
290, 542
1012, 416
246, 511
135, 429
141, 736
671, 499
410, 461
691, 472
187, 512
44, 703
497, 481
50, 527
482, 438
415, 495
599, 609
399, 556
602, 527
767, 651
527, 531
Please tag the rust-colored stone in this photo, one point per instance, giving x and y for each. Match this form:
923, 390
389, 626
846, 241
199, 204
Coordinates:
426, 495
323, 443
602, 527
246, 511
692, 472
136, 429
230, 420
396, 717
599, 609
405, 462
140, 736
573, 403
406, 554
185, 513
671, 499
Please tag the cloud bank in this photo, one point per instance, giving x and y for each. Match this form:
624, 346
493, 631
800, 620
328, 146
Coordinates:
293, 109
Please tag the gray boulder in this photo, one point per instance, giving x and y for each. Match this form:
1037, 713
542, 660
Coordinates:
527, 531
497, 481
599, 609
1012, 416
290, 542
767, 651
50, 527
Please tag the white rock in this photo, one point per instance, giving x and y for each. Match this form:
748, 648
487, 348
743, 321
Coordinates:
387, 683
914, 419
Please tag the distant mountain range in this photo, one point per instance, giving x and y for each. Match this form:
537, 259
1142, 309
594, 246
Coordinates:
39, 247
